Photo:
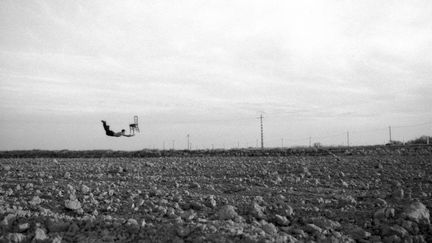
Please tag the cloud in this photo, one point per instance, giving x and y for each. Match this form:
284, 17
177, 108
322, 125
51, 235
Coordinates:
216, 61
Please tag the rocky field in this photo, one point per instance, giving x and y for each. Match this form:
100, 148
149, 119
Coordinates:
357, 198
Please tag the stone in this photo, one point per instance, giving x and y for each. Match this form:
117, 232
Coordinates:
281, 220
15, 237
289, 211
8, 220
80, 211
183, 231
235, 229
9, 192
227, 212
195, 185
381, 202
121, 169
256, 211
358, 233
67, 175
395, 230
40, 235
411, 226
344, 184
298, 232
57, 226
132, 225
258, 199
375, 239
188, 215
196, 205
344, 200
35, 201
384, 213
210, 202
325, 223
313, 229
290, 239
277, 180
418, 239
72, 204
148, 164
269, 228
418, 213
23, 227
305, 170
85, 189
398, 194
57, 239
392, 239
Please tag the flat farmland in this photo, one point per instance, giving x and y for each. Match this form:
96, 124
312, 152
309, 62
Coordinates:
358, 198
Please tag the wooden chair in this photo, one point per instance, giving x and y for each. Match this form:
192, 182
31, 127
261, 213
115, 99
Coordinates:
134, 126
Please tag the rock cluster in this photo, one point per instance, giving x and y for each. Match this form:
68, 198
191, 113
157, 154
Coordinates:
206, 199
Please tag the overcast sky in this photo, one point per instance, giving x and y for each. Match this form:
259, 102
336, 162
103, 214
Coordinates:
209, 69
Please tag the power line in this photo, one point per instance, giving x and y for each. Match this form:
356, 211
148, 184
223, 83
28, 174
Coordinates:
415, 125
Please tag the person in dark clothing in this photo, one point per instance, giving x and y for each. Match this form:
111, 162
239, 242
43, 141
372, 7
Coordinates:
110, 133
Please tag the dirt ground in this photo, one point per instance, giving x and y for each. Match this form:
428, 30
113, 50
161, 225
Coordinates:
217, 199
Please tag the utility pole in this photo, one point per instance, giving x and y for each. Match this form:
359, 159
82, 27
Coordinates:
390, 140
188, 143
348, 139
262, 132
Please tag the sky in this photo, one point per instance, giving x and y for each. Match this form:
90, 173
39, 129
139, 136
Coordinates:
209, 69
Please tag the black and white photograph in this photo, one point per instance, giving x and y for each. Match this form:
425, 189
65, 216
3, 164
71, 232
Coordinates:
216, 121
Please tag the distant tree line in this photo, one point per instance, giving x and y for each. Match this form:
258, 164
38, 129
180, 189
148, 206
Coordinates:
412, 148
420, 140
417, 141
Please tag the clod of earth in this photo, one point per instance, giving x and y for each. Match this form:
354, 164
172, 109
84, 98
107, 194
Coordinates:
227, 212
72, 204
418, 213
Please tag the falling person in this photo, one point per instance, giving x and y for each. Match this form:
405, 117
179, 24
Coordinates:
110, 133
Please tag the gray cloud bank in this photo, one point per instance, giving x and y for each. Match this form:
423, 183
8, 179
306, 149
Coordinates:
209, 68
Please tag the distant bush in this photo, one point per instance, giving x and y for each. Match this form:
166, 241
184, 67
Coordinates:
394, 142
420, 140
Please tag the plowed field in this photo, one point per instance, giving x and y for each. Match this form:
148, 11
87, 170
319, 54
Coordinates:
217, 199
